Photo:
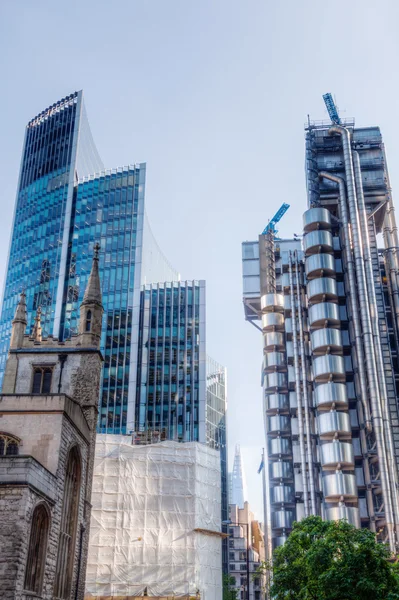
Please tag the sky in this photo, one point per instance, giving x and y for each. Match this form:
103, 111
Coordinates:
213, 96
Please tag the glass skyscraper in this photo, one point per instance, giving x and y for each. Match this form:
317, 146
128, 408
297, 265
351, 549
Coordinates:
171, 360
58, 148
106, 208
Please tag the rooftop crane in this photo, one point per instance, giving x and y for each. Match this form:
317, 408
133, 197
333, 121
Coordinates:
271, 226
332, 109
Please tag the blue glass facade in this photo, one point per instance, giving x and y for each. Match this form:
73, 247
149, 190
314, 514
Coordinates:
35, 252
106, 209
39, 242
216, 433
170, 394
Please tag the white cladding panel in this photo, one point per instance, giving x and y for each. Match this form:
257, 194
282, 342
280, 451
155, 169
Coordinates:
147, 503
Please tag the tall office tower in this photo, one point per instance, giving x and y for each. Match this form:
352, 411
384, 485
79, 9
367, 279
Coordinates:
238, 483
329, 312
171, 383
58, 149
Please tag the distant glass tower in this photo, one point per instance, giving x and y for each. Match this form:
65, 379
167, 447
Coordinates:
216, 434
238, 485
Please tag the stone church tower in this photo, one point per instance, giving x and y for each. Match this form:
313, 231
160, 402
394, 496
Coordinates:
48, 418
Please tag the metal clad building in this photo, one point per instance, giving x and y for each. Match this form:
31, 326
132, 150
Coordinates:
328, 308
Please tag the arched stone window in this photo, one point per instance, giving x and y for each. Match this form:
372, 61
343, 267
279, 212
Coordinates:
42, 379
9, 445
69, 521
36, 560
88, 320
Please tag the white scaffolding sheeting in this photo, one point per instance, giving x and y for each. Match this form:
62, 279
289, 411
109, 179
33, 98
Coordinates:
147, 503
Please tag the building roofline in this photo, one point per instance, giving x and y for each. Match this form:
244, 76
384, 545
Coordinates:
54, 108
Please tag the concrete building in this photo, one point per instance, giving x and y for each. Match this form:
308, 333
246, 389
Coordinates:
329, 313
246, 552
48, 415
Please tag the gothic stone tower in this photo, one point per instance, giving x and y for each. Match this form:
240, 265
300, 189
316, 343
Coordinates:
48, 417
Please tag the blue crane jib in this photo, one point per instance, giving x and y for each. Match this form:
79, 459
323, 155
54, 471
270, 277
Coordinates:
332, 109
271, 226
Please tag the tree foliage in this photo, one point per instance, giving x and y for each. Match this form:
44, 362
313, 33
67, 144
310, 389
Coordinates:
332, 560
229, 591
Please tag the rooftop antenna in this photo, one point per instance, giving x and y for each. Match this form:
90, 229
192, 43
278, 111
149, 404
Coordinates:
331, 108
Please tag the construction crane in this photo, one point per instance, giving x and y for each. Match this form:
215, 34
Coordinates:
271, 226
332, 109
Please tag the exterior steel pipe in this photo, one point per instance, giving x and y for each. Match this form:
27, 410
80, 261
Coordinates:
391, 243
298, 391
390, 451
305, 394
366, 326
391, 218
393, 269
352, 286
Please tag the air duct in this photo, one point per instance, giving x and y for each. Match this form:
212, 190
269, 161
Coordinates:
305, 392
298, 391
376, 337
366, 327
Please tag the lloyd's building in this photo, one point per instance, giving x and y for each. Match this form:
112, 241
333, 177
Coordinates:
157, 383
328, 309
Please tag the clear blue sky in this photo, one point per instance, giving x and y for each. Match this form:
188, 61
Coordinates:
213, 95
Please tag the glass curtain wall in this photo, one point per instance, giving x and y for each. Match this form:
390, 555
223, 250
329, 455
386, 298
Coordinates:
37, 256
216, 432
35, 252
170, 342
106, 211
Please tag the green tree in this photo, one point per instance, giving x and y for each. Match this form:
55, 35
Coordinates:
331, 560
229, 591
